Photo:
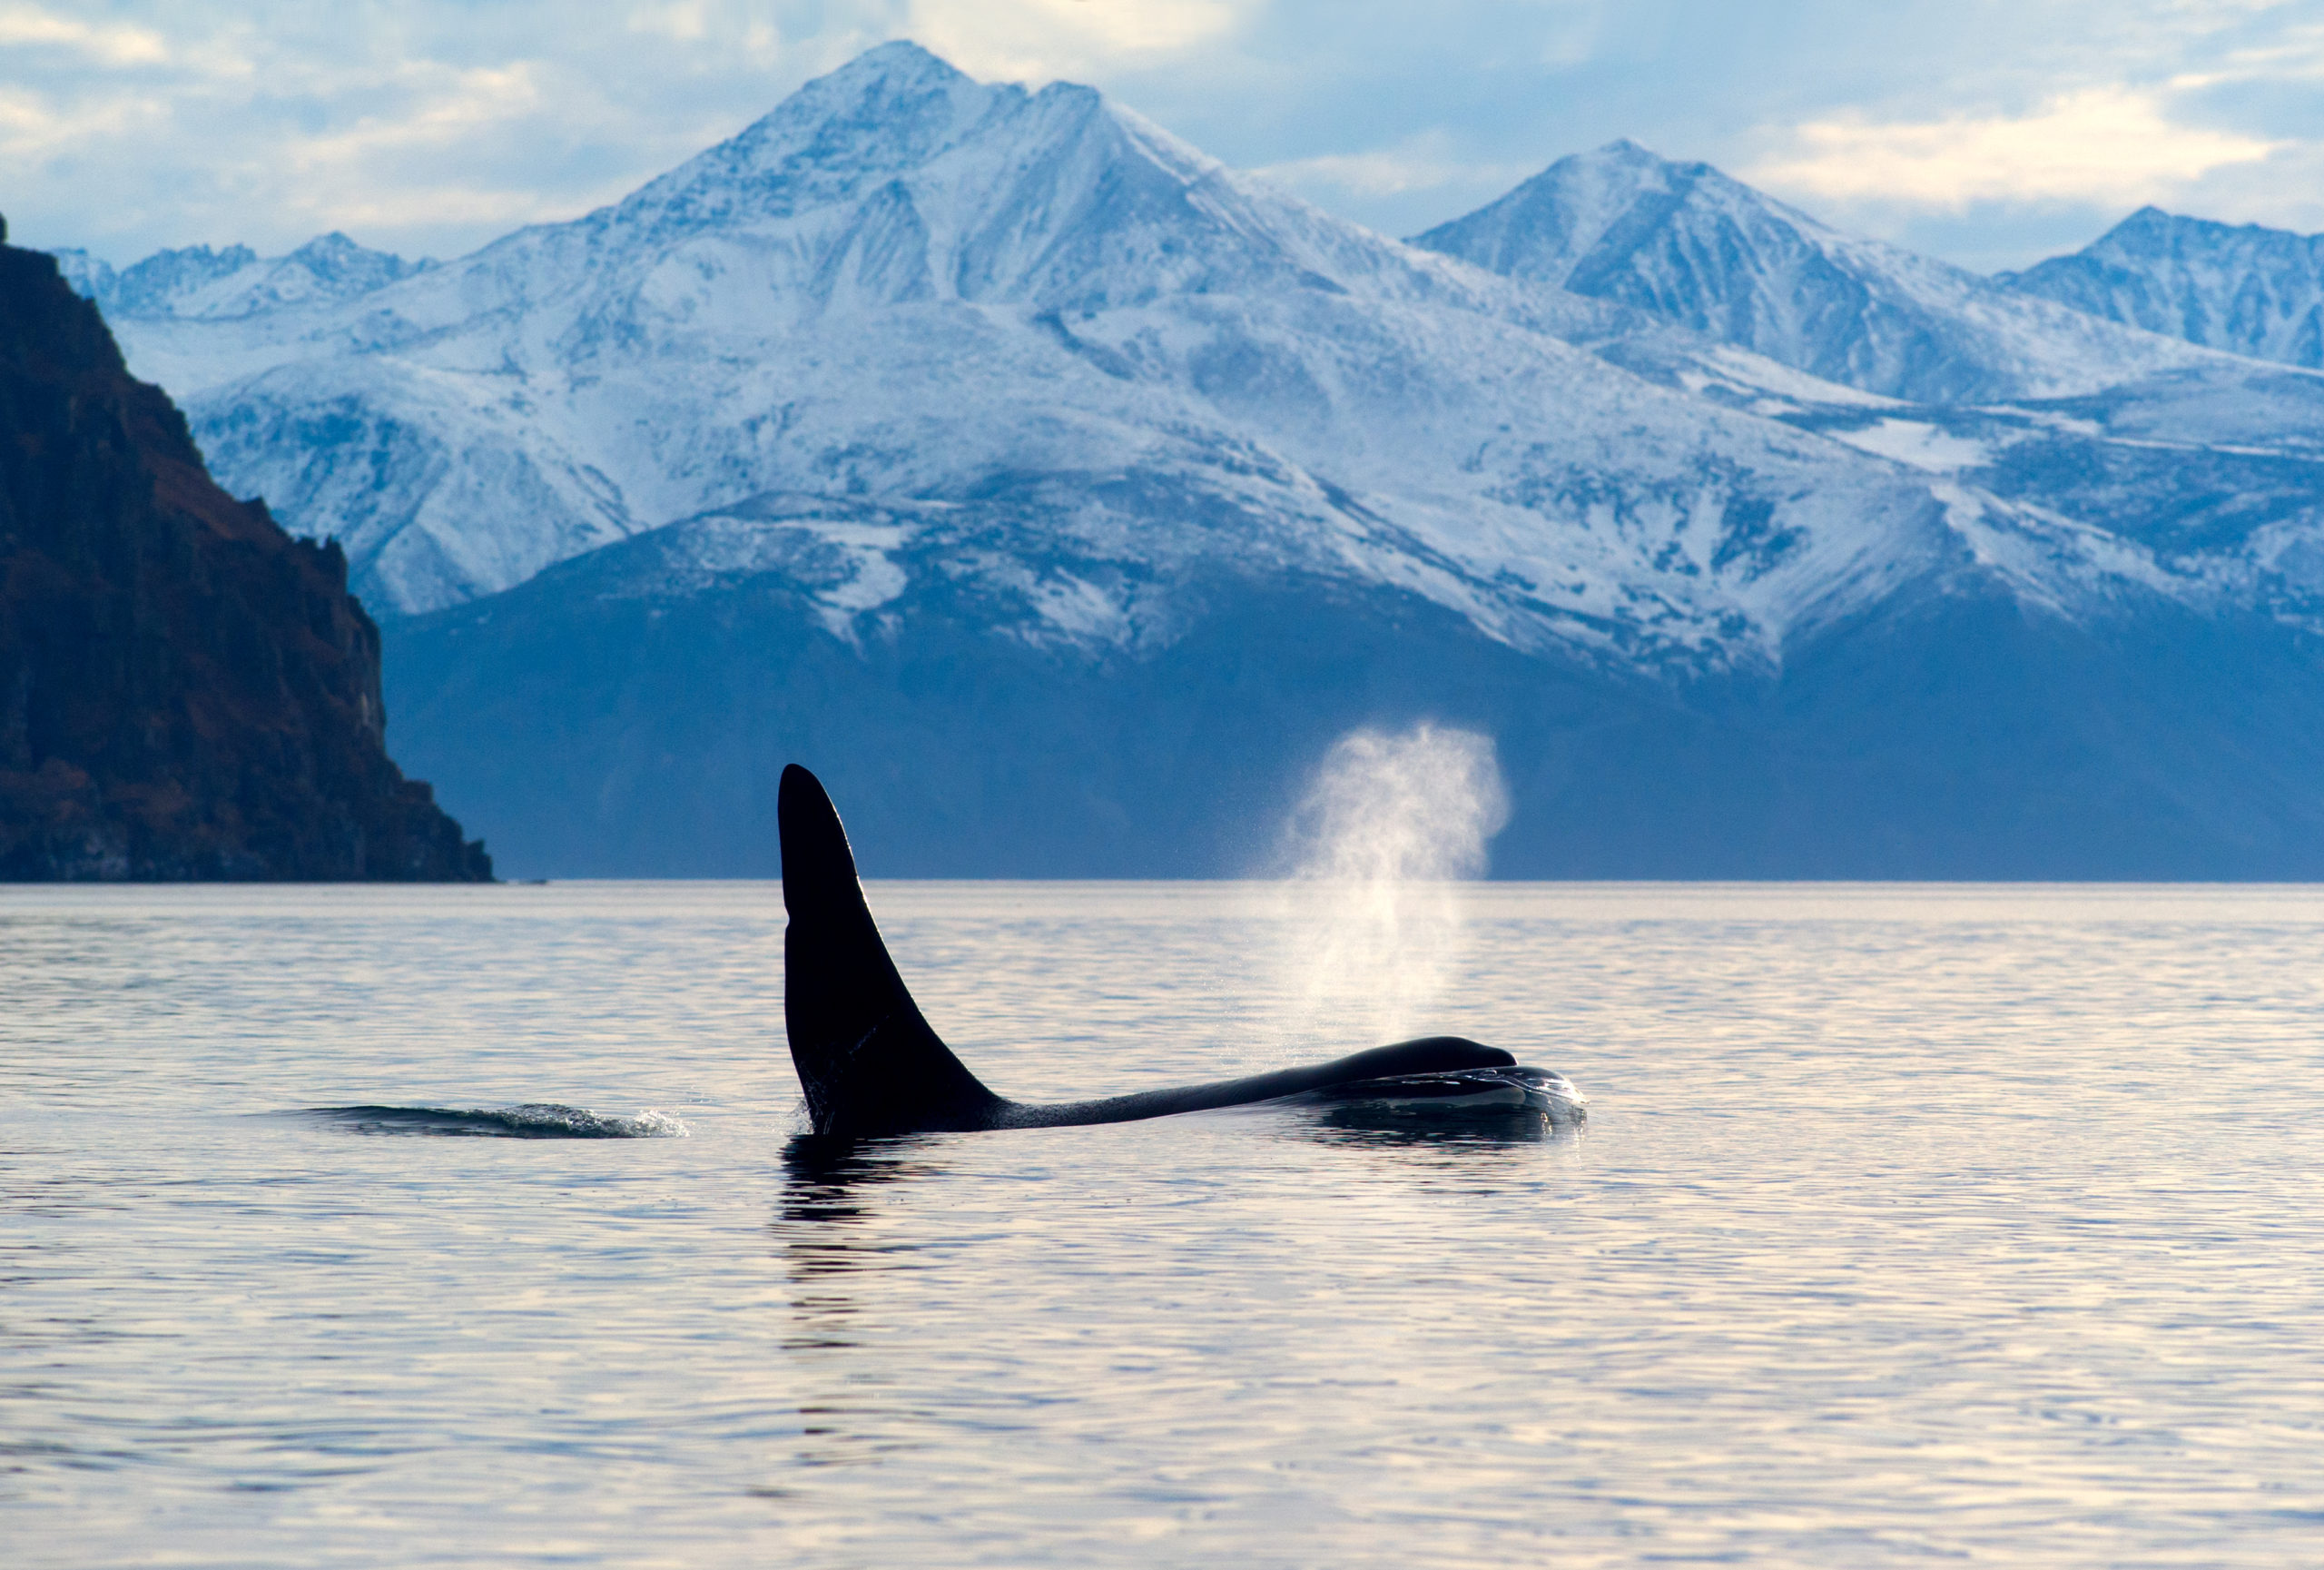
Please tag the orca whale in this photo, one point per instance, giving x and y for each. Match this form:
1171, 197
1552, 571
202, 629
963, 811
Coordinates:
871, 1065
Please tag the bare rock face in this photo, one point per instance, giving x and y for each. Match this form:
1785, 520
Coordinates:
186, 691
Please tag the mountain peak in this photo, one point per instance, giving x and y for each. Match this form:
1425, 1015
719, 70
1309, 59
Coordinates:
1560, 226
888, 110
1691, 245
898, 60
1622, 150
894, 81
2243, 288
897, 178
335, 243
2147, 231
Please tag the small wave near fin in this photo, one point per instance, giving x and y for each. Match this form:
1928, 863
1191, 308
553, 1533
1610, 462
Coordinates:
528, 1120
1461, 1092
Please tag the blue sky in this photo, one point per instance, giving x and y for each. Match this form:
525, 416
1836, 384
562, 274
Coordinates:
1989, 133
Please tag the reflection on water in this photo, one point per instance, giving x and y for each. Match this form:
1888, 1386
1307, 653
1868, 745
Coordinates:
822, 1172
884, 1264
827, 1235
1909, 1225
825, 1228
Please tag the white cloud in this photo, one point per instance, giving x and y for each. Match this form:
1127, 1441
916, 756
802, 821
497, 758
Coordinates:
22, 25
2101, 145
737, 28
1042, 40
1428, 162
33, 128
443, 107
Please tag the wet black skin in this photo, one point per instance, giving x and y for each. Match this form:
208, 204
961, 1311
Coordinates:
871, 1065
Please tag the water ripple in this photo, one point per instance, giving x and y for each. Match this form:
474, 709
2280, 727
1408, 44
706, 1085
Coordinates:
528, 1120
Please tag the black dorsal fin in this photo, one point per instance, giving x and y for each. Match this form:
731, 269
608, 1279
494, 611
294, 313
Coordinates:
866, 1057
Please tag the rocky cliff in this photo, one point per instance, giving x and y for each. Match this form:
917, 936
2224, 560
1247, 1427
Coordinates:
186, 691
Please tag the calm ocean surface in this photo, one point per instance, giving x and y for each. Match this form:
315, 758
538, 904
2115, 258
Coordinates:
1909, 1225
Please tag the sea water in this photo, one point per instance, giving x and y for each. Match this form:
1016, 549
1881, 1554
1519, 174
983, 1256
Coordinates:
1909, 1225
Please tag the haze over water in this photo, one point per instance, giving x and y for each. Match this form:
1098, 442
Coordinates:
1909, 1224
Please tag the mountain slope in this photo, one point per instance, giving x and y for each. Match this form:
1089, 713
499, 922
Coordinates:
2244, 289
627, 713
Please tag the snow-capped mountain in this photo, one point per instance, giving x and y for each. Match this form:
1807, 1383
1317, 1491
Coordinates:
90, 277
154, 282
998, 449
202, 285
906, 284
1690, 244
2243, 288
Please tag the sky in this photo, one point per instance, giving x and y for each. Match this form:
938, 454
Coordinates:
1988, 133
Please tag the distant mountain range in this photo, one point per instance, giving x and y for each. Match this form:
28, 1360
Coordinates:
1685, 242
1058, 491
198, 283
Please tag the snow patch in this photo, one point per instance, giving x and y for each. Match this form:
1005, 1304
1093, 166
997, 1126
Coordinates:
1918, 445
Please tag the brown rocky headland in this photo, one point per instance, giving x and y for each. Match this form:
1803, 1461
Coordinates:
186, 691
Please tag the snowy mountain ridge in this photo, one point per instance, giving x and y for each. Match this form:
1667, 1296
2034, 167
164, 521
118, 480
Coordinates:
1074, 365
202, 285
2242, 288
1689, 243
